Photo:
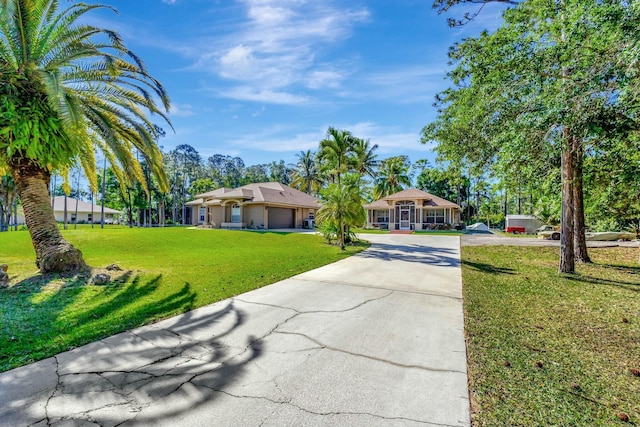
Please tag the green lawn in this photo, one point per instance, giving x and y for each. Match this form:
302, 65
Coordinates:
546, 349
167, 271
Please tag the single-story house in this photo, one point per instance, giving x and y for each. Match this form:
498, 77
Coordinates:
265, 205
412, 209
87, 212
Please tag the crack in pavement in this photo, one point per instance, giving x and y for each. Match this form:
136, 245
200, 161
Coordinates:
378, 359
303, 409
369, 286
298, 312
55, 390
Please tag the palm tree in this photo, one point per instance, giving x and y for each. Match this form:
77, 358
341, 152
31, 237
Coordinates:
304, 174
335, 153
65, 87
342, 207
365, 158
393, 174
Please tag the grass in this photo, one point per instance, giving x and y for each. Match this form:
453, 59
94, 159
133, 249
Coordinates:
546, 349
166, 272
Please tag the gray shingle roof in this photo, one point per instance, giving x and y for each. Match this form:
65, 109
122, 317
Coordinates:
427, 199
273, 193
84, 207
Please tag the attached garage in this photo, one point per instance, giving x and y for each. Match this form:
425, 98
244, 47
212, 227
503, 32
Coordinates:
281, 218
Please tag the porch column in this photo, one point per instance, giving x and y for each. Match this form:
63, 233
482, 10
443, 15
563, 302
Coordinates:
265, 217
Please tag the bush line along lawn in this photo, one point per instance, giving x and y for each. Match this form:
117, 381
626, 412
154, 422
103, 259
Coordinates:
167, 272
545, 349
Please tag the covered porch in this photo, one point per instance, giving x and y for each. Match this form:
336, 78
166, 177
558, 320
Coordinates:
408, 216
412, 209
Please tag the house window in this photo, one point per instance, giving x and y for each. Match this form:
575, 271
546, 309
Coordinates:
235, 213
382, 216
434, 216
89, 217
202, 213
312, 214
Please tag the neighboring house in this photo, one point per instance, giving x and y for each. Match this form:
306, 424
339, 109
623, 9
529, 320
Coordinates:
412, 209
86, 212
265, 205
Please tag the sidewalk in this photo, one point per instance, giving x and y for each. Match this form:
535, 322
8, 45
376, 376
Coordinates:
375, 339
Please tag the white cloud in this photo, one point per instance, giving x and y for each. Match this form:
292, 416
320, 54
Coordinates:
324, 79
181, 110
278, 47
391, 141
236, 61
170, 1
412, 84
248, 93
278, 138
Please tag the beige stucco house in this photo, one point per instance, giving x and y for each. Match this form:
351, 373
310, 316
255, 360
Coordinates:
412, 209
266, 205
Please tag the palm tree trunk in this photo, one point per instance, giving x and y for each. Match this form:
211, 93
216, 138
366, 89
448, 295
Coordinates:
53, 252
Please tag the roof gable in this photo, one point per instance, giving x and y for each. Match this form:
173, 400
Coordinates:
427, 199
261, 192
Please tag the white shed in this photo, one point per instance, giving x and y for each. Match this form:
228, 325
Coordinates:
522, 224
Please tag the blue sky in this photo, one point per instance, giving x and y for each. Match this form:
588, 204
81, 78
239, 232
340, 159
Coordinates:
263, 79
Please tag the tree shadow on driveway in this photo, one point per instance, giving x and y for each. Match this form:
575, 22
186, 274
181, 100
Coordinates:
147, 375
423, 254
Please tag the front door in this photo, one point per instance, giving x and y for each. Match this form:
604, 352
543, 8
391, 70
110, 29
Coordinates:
405, 218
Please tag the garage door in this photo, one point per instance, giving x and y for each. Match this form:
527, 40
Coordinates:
280, 218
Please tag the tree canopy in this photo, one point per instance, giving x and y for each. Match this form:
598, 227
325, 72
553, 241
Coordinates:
546, 89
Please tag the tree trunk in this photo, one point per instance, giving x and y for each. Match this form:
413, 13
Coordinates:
341, 235
580, 240
53, 252
4, 224
65, 211
506, 206
104, 183
567, 259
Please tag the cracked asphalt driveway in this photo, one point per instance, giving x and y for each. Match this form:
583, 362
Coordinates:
375, 339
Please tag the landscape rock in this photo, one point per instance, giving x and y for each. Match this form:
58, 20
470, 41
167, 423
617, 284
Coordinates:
4, 267
114, 267
101, 279
4, 278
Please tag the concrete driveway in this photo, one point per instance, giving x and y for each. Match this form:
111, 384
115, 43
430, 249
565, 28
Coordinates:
376, 339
